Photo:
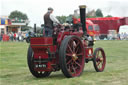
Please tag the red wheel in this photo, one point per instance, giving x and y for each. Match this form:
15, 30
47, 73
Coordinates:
99, 59
30, 60
71, 56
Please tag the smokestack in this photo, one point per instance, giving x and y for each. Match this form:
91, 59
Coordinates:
83, 18
34, 28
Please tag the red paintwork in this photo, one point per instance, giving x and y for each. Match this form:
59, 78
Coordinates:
41, 41
88, 55
40, 46
92, 32
61, 35
109, 23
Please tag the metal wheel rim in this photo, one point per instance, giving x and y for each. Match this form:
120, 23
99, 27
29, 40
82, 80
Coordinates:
74, 57
100, 60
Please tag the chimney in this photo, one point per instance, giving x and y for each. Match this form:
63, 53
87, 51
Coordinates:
83, 18
34, 28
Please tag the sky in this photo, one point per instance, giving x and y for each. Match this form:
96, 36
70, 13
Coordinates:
35, 9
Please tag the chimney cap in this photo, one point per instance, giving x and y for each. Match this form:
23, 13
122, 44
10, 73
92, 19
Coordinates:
82, 6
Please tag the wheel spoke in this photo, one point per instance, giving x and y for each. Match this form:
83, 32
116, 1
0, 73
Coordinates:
74, 46
98, 63
68, 54
79, 54
77, 44
97, 54
71, 44
97, 59
69, 61
69, 69
100, 56
77, 64
79, 59
73, 69
70, 49
102, 62
99, 66
77, 49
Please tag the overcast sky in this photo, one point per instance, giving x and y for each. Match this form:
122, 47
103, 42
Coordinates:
35, 9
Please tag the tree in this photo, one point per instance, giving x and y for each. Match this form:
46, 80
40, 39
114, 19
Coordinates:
62, 19
108, 16
24, 28
18, 15
99, 13
69, 19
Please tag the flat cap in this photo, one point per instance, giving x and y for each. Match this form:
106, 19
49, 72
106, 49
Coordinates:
50, 8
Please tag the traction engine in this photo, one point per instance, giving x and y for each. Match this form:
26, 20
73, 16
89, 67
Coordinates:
67, 50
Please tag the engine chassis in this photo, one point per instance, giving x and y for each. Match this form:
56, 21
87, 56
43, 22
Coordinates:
47, 55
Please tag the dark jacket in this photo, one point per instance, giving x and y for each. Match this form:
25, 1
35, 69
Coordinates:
47, 21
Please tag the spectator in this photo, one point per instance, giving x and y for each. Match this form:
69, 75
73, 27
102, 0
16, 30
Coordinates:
15, 36
11, 36
0, 37
121, 36
118, 36
125, 36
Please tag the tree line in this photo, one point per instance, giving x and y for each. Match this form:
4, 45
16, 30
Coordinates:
19, 16
89, 14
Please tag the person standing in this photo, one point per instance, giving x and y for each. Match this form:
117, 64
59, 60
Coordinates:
14, 36
0, 37
49, 21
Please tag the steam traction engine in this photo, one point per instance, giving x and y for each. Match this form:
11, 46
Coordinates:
66, 50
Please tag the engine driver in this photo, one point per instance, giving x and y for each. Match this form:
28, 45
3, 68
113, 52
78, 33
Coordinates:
49, 21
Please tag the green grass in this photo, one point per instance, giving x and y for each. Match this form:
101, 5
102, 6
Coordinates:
14, 69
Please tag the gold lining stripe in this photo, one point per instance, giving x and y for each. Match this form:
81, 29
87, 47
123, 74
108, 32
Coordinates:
42, 44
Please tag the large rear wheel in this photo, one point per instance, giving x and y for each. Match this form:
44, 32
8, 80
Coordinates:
30, 60
99, 60
71, 56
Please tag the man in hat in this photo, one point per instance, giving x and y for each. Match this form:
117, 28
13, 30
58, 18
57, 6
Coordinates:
49, 20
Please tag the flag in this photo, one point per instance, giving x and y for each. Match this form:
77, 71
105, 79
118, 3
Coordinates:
0, 21
6, 22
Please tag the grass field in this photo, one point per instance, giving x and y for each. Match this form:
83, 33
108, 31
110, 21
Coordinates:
14, 69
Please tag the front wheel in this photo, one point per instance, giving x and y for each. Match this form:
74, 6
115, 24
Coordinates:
99, 60
30, 60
